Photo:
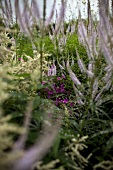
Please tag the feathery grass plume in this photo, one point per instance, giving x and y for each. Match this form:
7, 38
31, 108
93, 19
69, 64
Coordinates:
80, 63
6, 54
27, 158
7, 130
61, 67
23, 20
45, 22
73, 151
20, 143
5, 78
27, 18
89, 40
105, 32
52, 69
104, 13
79, 95
105, 165
48, 21
72, 75
32, 15
60, 39
31, 68
82, 32
7, 12
112, 8
48, 166
92, 32
40, 148
61, 15
107, 51
95, 88
35, 11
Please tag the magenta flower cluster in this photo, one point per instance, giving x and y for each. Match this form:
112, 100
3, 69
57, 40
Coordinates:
57, 92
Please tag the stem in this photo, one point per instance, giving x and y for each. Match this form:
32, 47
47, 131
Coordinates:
42, 37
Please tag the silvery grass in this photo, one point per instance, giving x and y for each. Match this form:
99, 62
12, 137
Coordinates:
97, 81
30, 17
88, 38
26, 19
42, 20
6, 12
60, 37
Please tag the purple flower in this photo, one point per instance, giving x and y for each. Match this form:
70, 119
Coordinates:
49, 115
61, 101
58, 90
65, 101
56, 103
48, 96
50, 92
62, 85
54, 85
59, 98
72, 104
62, 90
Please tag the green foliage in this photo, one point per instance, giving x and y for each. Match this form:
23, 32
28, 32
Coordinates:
48, 45
85, 137
72, 43
7, 129
23, 43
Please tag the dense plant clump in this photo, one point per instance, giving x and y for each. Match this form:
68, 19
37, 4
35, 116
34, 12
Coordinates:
56, 89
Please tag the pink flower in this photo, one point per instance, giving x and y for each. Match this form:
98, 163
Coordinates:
49, 72
58, 78
43, 82
20, 59
49, 115
63, 76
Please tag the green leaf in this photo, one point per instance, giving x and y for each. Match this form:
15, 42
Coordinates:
24, 75
66, 133
56, 145
75, 124
37, 102
109, 144
32, 136
16, 114
38, 115
103, 132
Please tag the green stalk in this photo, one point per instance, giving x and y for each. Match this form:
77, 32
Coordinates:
42, 37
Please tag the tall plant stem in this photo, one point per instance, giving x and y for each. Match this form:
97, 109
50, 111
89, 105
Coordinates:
112, 7
89, 15
42, 37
